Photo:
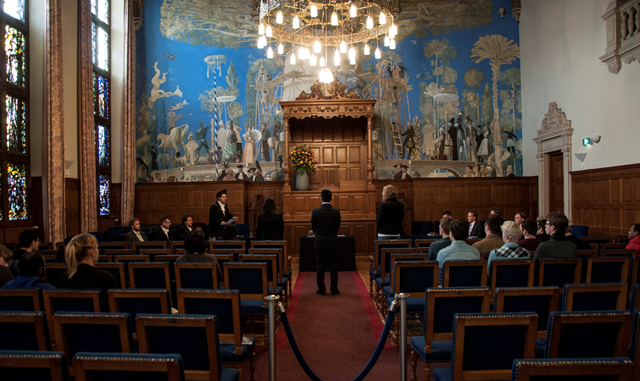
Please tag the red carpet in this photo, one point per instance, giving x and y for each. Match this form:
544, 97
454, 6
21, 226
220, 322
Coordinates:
336, 334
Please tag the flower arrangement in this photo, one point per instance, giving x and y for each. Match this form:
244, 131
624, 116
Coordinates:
302, 159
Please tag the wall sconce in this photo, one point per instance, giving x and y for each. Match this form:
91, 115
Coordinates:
591, 140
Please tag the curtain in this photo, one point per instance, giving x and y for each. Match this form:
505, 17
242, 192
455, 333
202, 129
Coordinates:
129, 112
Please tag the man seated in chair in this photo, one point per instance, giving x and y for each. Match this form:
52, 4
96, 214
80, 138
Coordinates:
511, 233
558, 246
185, 229
492, 230
135, 235
580, 244
162, 232
459, 250
31, 267
440, 244
530, 241
634, 238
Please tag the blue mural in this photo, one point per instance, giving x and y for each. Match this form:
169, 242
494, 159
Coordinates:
449, 95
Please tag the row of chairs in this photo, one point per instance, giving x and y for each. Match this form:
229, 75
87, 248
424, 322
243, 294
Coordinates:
543, 332
93, 331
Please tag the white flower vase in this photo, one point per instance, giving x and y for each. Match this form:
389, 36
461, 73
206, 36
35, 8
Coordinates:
302, 181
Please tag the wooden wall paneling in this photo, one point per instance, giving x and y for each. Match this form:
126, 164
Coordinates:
116, 203
72, 206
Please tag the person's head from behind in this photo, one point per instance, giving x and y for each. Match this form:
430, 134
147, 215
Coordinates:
82, 248
529, 227
459, 230
31, 265
187, 220
542, 222
493, 225
326, 195
511, 232
495, 210
557, 223
269, 206
134, 224
28, 240
5, 255
194, 244
389, 192
445, 224
634, 231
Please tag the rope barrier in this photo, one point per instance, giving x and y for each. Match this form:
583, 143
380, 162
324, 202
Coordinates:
365, 370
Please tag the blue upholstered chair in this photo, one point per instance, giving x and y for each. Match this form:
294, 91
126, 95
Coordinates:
223, 245
149, 275
21, 299
634, 348
137, 246
557, 272
580, 230
70, 300
33, 365
194, 337
375, 260
271, 260
127, 367
102, 246
384, 276
465, 273
24, 331
441, 304
511, 273
485, 345
92, 332
53, 272
607, 269
116, 269
584, 335
196, 275
139, 301
225, 304
593, 369
283, 267
634, 303
421, 227
243, 230
153, 252
594, 297
285, 258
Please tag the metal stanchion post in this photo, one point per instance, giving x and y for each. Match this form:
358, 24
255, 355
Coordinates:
403, 335
272, 299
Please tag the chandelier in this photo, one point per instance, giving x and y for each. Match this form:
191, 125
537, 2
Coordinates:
311, 28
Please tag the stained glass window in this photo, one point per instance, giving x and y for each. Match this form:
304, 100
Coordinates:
100, 47
103, 145
94, 46
17, 183
15, 9
16, 131
103, 96
15, 48
105, 195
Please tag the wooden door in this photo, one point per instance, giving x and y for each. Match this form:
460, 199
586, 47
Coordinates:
556, 182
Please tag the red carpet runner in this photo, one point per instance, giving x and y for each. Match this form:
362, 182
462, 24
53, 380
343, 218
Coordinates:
336, 334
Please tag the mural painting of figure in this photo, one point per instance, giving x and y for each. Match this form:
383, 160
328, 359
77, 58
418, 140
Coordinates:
172, 118
440, 142
448, 147
453, 134
156, 92
201, 137
236, 130
241, 176
276, 131
249, 153
230, 151
377, 145
470, 135
266, 134
409, 133
190, 149
483, 149
427, 142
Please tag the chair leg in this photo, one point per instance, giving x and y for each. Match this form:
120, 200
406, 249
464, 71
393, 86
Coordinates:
371, 288
427, 371
252, 366
395, 334
414, 364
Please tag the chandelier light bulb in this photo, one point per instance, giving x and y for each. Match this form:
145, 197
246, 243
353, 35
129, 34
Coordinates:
292, 61
367, 50
314, 11
352, 54
393, 31
334, 19
321, 63
343, 47
392, 44
377, 54
369, 23
261, 29
279, 18
336, 58
313, 60
329, 75
262, 42
269, 52
352, 61
268, 32
353, 12
317, 48
280, 49
386, 40
296, 22
382, 19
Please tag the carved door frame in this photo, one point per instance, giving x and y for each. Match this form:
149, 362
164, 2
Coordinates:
554, 135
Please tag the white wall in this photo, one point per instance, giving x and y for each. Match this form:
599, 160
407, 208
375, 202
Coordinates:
117, 87
37, 27
561, 41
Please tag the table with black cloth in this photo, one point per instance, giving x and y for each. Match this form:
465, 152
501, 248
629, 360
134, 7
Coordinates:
346, 254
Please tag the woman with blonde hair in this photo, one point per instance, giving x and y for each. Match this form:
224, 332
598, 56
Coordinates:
390, 215
82, 255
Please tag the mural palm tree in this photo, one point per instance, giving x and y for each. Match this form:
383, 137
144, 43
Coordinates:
500, 51
434, 47
432, 90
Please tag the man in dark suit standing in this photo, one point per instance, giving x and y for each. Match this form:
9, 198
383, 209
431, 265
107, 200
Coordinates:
162, 232
325, 223
219, 215
135, 235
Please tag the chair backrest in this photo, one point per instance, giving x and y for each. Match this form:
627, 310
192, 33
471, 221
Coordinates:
509, 335
379, 244
243, 230
70, 300
598, 239
411, 257
176, 245
92, 332
622, 238
149, 275
196, 275
512, 273
484, 255
111, 245
116, 269
271, 260
582, 334
614, 246
53, 272
114, 252
194, 337
136, 246
594, 297
413, 277
541, 300
443, 303
248, 277
580, 230
618, 253
21, 299
234, 253
26, 331
620, 369
279, 244
139, 301
224, 245
281, 264
33, 365
386, 253
225, 304
634, 348
153, 252
465, 273
634, 303
171, 260
223, 258
557, 272
607, 269
423, 242
127, 367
